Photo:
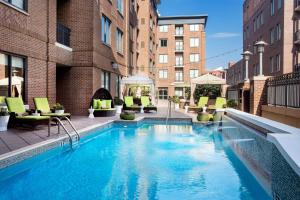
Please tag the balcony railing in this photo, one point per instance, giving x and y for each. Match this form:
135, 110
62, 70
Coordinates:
63, 34
297, 37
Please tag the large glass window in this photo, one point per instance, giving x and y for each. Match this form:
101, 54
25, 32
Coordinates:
272, 7
105, 30
22, 4
163, 42
163, 93
194, 73
179, 45
194, 27
179, 61
194, 42
163, 58
12, 75
194, 58
179, 92
179, 30
118, 86
163, 28
179, 76
120, 6
105, 80
163, 74
119, 36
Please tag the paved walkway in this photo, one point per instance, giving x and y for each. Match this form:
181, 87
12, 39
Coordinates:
14, 139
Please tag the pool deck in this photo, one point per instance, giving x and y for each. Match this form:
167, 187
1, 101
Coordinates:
15, 139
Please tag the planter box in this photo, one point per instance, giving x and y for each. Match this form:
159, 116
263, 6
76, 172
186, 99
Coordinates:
3, 122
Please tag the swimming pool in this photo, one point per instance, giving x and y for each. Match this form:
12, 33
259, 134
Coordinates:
149, 160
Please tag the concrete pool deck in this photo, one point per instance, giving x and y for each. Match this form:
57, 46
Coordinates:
15, 139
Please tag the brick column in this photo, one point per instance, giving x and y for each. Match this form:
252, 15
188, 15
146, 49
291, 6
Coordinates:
258, 94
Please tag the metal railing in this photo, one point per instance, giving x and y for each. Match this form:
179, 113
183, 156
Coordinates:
284, 90
63, 34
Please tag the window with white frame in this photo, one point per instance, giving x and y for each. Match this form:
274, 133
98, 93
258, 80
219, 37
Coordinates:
272, 7
178, 75
194, 27
163, 42
194, 58
179, 92
272, 36
194, 73
279, 4
163, 74
120, 6
272, 64
163, 58
278, 32
22, 4
179, 45
119, 37
105, 30
179, 60
179, 30
163, 93
163, 28
278, 62
105, 80
194, 42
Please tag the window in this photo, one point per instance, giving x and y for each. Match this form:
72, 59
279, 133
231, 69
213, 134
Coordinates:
179, 76
279, 4
194, 58
278, 32
254, 25
163, 93
194, 42
105, 30
120, 6
272, 66
105, 80
179, 30
194, 27
272, 36
22, 4
150, 45
179, 45
13, 70
261, 18
163, 74
163, 42
272, 7
278, 62
119, 37
194, 73
163, 58
179, 92
163, 28
179, 61
118, 86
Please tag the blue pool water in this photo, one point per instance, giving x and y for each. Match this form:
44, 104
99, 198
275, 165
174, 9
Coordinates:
149, 161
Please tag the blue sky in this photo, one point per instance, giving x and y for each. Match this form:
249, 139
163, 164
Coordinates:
223, 30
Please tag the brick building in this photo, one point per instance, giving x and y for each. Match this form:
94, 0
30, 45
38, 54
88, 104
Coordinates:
65, 50
180, 54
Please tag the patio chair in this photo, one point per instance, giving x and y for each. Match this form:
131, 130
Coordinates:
103, 104
19, 116
42, 105
2, 100
129, 104
203, 101
219, 104
146, 103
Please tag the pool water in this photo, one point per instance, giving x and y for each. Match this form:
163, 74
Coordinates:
149, 161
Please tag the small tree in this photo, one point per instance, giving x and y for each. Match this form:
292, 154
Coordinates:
212, 91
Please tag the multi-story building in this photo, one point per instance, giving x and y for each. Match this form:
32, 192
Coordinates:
218, 72
272, 22
180, 54
146, 36
65, 50
296, 18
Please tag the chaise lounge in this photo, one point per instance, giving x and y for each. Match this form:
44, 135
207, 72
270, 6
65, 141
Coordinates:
129, 104
146, 103
20, 117
203, 101
220, 103
103, 104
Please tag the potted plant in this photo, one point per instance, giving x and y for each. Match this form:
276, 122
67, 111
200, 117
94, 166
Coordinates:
4, 118
58, 108
118, 104
231, 103
176, 102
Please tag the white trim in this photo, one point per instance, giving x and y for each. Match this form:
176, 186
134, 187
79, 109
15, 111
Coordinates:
14, 7
63, 46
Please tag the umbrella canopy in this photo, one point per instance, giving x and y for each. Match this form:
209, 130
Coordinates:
16, 80
139, 79
208, 79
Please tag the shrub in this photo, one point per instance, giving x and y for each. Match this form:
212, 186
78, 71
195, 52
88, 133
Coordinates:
127, 116
118, 101
212, 91
58, 106
175, 99
231, 103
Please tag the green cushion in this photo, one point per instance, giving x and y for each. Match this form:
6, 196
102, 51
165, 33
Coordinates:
2, 99
42, 104
145, 101
220, 103
32, 118
99, 103
96, 103
107, 104
128, 101
15, 104
202, 102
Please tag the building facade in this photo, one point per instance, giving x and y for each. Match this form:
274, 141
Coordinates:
272, 22
66, 50
180, 54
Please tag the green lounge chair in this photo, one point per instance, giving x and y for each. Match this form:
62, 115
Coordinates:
220, 104
42, 105
2, 99
203, 101
19, 116
145, 101
129, 104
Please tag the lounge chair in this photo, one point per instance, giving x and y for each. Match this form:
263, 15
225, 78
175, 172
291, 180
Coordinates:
220, 104
19, 116
2, 100
103, 104
145, 101
129, 104
42, 105
203, 101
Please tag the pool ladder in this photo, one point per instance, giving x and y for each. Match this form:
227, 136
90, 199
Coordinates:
59, 123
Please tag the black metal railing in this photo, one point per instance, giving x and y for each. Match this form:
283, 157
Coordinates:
284, 90
63, 34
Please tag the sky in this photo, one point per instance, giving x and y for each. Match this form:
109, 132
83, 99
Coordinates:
224, 39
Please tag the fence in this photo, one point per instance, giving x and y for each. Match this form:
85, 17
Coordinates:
284, 90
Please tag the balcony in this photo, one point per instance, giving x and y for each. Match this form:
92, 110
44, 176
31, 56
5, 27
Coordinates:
297, 38
63, 35
179, 49
179, 66
297, 7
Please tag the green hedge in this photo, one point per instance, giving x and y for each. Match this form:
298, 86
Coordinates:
127, 116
